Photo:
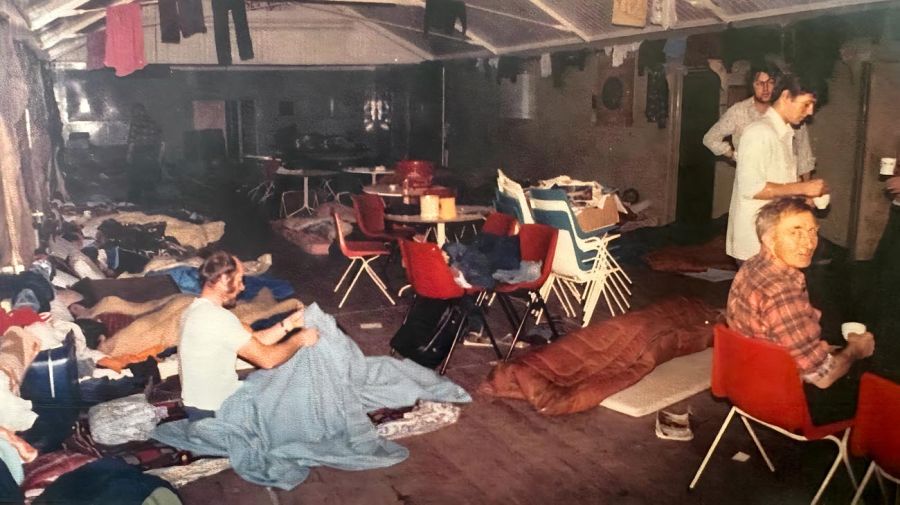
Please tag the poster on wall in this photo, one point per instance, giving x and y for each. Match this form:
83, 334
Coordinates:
613, 99
518, 100
630, 13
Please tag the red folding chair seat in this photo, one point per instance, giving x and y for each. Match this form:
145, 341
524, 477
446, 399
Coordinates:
537, 242
876, 429
430, 276
361, 252
761, 381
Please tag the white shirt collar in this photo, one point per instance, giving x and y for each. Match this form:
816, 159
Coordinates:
781, 126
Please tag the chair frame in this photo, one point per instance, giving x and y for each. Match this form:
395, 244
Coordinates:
842, 454
364, 261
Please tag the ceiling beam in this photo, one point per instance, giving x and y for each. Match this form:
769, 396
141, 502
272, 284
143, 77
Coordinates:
540, 4
384, 32
44, 13
71, 26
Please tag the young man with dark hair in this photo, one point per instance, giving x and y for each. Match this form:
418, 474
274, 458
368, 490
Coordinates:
767, 166
762, 80
768, 300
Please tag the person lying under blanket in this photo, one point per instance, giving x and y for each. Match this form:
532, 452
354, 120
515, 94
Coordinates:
308, 404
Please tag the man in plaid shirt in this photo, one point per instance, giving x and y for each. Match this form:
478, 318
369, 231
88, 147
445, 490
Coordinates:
768, 300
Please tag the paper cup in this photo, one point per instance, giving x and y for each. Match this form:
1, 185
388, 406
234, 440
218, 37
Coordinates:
822, 202
887, 166
848, 328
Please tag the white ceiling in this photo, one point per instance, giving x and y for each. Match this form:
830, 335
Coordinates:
374, 32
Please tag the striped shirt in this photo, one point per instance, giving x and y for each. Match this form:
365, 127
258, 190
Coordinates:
768, 300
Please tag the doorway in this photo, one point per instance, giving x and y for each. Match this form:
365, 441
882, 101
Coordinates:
696, 164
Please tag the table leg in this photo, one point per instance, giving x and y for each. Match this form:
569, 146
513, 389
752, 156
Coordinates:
440, 235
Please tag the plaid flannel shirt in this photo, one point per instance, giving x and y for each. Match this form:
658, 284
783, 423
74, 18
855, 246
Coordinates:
769, 300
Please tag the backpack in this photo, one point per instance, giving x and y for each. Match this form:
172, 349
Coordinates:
428, 332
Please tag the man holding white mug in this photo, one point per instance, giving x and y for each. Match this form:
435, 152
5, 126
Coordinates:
768, 300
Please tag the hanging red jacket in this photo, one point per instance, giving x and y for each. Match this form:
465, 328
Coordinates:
124, 39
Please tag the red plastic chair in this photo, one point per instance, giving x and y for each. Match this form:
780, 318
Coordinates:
364, 253
498, 223
761, 381
537, 242
369, 212
876, 429
431, 277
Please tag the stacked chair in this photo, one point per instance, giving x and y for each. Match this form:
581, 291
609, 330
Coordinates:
511, 199
584, 266
363, 253
430, 277
760, 380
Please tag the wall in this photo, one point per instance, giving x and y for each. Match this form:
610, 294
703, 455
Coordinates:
834, 138
560, 139
168, 96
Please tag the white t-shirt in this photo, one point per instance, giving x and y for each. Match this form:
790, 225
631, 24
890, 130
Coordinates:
207, 351
766, 155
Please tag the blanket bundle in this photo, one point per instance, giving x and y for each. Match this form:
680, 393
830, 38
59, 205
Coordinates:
311, 411
582, 368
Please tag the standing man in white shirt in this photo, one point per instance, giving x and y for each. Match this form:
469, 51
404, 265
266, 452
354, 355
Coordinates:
767, 166
763, 80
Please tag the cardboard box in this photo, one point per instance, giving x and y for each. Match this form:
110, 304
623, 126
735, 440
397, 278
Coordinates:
592, 218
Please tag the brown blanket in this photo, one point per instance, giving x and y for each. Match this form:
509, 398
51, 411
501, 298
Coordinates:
162, 326
691, 258
582, 368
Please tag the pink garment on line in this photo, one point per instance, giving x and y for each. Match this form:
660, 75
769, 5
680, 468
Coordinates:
124, 39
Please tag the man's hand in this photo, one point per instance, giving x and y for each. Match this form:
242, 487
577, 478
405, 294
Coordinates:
294, 320
862, 345
893, 185
308, 337
814, 187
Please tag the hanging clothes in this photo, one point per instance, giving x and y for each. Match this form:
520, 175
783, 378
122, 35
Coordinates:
124, 39
180, 18
96, 49
442, 15
657, 110
238, 10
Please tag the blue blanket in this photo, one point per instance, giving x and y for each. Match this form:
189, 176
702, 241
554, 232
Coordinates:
311, 411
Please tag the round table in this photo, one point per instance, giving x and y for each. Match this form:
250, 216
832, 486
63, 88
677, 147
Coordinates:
437, 222
372, 171
396, 190
305, 173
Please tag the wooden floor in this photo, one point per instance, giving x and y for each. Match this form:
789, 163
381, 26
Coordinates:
503, 452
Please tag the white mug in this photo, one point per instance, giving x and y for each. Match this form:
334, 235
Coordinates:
822, 202
887, 166
848, 328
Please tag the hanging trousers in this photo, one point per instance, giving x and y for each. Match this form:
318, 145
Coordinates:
180, 18
238, 10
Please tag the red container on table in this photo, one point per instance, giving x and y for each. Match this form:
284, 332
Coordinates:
416, 173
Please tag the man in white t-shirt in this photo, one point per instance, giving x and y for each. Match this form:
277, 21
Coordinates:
212, 338
766, 165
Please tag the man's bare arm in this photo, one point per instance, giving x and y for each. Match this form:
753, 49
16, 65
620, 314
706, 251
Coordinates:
811, 188
271, 356
859, 346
